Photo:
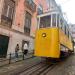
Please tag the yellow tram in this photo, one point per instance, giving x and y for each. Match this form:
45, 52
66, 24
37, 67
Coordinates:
53, 36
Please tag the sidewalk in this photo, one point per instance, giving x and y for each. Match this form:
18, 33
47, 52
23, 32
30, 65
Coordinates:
13, 66
12, 59
10, 67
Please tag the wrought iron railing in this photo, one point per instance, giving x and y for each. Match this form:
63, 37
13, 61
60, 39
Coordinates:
31, 5
39, 11
27, 30
6, 21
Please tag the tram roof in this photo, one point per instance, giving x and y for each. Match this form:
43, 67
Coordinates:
47, 14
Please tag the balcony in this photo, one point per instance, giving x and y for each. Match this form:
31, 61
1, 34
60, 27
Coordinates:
27, 30
6, 21
31, 5
39, 11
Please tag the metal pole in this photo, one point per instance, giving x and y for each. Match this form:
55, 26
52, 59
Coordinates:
9, 58
23, 55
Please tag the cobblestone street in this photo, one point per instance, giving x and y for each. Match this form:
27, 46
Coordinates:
17, 67
66, 67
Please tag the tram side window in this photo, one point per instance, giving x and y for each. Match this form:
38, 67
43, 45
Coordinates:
68, 34
45, 21
54, 20
65, 29
57, 20
61, 23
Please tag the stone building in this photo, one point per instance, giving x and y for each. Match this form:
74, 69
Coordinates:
17, 19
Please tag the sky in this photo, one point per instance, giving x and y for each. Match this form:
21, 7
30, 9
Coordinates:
68, 8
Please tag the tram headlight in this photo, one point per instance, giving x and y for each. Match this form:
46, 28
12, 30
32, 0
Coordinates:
43, 34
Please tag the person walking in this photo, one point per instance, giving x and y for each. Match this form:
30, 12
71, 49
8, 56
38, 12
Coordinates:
16, 50
25, 48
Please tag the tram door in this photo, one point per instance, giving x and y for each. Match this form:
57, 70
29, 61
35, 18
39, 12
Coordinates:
4, 40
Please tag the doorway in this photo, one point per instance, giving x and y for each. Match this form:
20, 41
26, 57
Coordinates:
23, 42
4, 41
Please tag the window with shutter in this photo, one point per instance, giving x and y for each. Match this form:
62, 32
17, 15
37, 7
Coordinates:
5, 9
27, 23
10, 14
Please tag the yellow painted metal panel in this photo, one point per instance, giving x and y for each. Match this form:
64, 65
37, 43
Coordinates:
64, 40
47, 46
48, 40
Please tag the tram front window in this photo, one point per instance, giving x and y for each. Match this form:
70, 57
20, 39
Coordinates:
45, 21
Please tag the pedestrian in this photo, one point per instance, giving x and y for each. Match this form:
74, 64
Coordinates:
16, 50
25, 49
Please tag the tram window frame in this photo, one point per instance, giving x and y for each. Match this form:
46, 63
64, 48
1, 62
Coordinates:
43, 25
53, 20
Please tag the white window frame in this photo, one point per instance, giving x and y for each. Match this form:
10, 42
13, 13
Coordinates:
51, 20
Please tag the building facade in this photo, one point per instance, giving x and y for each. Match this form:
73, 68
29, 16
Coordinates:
18, 23
17, 19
